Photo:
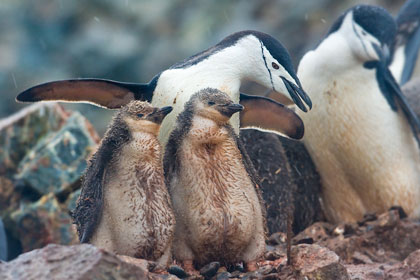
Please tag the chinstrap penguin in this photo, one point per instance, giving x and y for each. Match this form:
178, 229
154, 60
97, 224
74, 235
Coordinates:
245, 55
407, 41
213, 186
361, 132
124, 206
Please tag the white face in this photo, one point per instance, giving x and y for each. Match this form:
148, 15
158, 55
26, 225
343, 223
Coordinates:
277, 72
359, 40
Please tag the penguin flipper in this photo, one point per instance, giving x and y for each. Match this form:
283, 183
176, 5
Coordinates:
411, 52
267, 114
398, 96
89, 207
88, 212
408, 20
411, 91
103, 93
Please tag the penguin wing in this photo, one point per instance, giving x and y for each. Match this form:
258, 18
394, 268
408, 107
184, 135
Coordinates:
411, 91
408, 20
89, 206
267, 114
103, 93
391, 87
88, 211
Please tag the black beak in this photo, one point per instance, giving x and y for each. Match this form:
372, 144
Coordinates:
383, 53
297, 94
166, 110
232, 108
160, 114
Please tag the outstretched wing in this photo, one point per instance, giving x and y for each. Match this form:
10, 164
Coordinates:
89, 205
103, 93
266, 114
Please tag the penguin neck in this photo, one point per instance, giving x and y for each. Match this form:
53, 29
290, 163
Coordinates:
332, 56
224, 69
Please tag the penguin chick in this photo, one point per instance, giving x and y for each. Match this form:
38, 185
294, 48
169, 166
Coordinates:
213, 187
124, 206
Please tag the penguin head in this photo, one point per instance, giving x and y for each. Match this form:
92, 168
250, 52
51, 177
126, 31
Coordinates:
140, 116
215, 105
369, 31
272, 66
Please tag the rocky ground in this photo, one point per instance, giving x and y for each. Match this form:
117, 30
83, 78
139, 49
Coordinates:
383, 247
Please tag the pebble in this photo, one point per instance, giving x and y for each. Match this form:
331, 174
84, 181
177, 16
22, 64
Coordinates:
209, 270
177, 271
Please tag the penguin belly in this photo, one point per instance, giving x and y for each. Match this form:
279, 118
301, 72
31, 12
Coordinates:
366, 153
216, 204
137, 218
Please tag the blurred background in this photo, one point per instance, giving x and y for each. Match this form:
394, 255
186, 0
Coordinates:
127, 40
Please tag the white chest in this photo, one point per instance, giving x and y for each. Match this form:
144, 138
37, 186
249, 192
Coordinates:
366, 154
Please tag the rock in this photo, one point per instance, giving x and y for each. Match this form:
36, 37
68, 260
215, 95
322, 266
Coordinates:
209, 270
143, 264
366, 271
20, 132
316, 262
40, 223
408, 269
9, 198
69, 262
289, 179
387, 238
316, 232
223, 275
59, 159
177, 271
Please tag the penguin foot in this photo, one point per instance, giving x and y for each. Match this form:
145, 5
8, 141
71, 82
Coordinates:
189, 267
251, 266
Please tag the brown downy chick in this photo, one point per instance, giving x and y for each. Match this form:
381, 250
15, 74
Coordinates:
124, 206
213, 188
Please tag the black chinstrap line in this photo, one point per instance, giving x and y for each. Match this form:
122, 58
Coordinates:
266, 66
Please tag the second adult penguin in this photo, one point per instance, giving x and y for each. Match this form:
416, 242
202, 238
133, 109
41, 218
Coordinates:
213, 186
124, 206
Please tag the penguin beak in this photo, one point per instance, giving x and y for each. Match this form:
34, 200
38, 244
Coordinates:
298, 95
160, 114
384, 54
232, 108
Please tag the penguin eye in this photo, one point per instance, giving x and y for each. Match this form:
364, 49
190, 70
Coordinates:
140, 115
275, 65
364, 33
211, 103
